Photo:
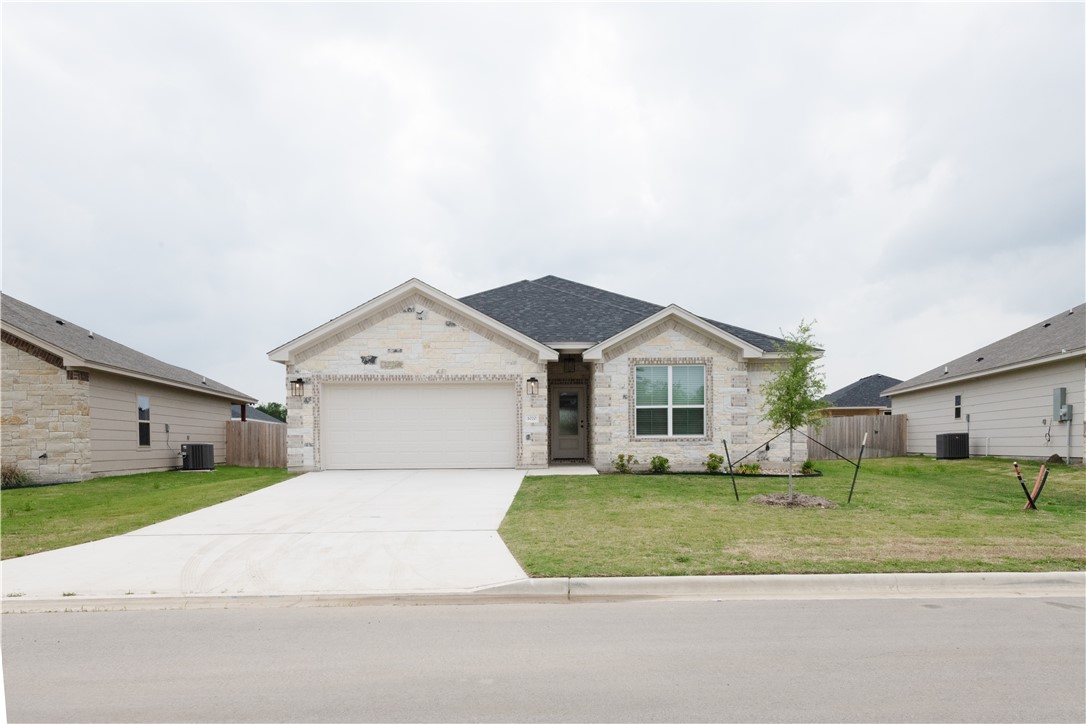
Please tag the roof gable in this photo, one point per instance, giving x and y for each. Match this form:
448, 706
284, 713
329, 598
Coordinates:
79, 347
1058, 336
865, 392
288, 352
678, 313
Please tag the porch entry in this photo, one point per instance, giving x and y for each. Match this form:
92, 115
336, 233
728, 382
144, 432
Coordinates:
567, 417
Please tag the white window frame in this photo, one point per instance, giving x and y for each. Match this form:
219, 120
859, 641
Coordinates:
670, 406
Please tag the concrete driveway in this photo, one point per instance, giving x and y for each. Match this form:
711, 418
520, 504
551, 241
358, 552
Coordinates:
387, 531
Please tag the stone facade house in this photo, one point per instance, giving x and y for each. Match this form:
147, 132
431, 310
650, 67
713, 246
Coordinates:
75, 405
1022, 396
526, 375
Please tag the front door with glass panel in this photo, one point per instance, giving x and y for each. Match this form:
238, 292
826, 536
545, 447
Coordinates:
568, 423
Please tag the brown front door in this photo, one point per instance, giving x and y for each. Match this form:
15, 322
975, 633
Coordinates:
568, 422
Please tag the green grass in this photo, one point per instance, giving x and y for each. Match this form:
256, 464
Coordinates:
907, 514
43, 518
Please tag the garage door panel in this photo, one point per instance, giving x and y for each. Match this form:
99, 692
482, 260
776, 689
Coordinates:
387, 426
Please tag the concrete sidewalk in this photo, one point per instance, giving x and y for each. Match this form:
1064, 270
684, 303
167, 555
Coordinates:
582, 590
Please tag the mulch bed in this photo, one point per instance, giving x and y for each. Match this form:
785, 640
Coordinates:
798, 500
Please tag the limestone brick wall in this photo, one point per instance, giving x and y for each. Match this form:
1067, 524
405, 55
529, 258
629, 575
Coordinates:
732, 401
417, 340
44, 410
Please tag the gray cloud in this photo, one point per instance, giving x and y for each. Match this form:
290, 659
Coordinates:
205, 182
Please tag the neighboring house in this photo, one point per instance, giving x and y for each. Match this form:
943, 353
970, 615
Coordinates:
253, 415
863, 397
75, 404
1008, 396
524, 375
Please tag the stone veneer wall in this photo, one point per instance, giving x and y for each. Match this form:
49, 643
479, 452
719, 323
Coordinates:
732, 404
44, 409
415, 340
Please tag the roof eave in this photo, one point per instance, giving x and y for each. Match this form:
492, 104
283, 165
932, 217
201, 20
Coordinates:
73, 361
570, 346
284, 353
231, 396
898, 389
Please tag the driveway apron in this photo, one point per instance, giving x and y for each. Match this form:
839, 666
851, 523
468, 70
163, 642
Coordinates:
373, 531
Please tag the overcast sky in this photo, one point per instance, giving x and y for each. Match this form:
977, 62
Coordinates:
205, 182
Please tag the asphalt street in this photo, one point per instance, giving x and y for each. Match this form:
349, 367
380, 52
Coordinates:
907, 660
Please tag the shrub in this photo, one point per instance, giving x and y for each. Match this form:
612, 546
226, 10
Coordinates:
624, 463
12, 476
713, 463
749, 469
659, 464
808, 468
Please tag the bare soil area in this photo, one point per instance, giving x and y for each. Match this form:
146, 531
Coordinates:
798, 500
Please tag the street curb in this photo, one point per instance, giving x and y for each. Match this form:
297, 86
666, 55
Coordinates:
584, 590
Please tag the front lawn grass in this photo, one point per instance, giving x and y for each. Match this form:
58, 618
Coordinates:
43, 518
907, 514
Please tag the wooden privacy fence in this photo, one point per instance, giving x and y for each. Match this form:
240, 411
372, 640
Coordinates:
885, 437
256, 444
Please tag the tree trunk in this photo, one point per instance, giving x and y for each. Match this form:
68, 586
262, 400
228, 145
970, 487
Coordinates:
791, 466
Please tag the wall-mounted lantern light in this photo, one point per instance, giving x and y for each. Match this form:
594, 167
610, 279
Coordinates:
297, 387
533, 386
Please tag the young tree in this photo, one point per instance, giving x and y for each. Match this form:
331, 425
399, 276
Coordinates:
276, 409
792, 397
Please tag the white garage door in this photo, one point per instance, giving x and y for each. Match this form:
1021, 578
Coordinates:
388, 426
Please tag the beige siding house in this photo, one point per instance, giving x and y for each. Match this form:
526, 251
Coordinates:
527, 375
75, 405
1007, 396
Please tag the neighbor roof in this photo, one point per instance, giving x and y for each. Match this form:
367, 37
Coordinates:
553, 311
82, 348
865, 392
253, 415
1056, 337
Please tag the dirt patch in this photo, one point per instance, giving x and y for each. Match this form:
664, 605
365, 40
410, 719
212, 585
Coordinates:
798, 500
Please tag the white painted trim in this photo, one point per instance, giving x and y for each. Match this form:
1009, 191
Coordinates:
749, 351
285, 353
986, 373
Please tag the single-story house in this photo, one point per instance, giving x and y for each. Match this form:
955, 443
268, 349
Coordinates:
525, 375
253, 415
1022, 396
75, 405
862, 397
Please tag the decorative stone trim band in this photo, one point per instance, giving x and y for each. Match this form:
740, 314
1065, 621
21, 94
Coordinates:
32, 349
707, 362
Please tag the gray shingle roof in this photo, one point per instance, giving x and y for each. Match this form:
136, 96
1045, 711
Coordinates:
1064, 332
253, 415
552, 310
865, 392
99, 350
